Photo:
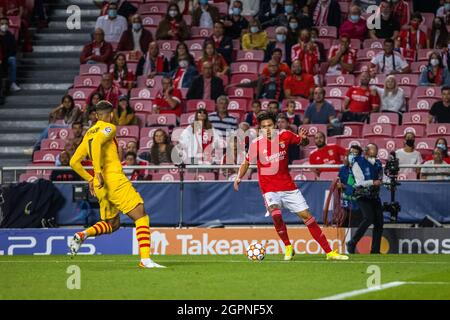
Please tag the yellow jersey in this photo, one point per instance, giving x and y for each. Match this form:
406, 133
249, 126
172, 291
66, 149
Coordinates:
100, 145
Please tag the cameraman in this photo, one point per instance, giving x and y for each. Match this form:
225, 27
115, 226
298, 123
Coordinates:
368, 173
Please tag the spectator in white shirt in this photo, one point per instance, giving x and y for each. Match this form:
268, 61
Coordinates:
113, 25
249, 7
392, 98
408, 155
435, 173
389, 61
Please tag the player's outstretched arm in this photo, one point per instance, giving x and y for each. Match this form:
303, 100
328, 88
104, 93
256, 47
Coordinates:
303, 133
101, 138
242, 171
75, 163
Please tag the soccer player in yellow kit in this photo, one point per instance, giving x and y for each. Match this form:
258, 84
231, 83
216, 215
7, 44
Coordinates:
111, 187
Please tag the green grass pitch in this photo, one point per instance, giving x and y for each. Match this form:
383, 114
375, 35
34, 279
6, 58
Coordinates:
225, 277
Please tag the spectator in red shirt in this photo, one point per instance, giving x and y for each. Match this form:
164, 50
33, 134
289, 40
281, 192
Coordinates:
401, 11
414, 38
109, 90
97, 51
277, 55
168, 99
341, 57
123, 77
307, 52
298, 84
359, 101
355, 26
131, 160
152, 63
326, 153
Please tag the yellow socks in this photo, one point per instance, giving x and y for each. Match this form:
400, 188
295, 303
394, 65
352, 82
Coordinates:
143, 236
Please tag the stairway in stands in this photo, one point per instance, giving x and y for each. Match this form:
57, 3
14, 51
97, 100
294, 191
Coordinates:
44, 76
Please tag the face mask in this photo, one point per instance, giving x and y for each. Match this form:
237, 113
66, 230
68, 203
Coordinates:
434, 62
385, 15
354, 18
236, 11
441, 146
372, 160
183, 64
203, 2
351, 158
447, 6
410, 143
173, 13
4, 28
281, 37
112, 13
313, 39
415, 25
137, 26
448, 46
288, 9
294, 26
254, 29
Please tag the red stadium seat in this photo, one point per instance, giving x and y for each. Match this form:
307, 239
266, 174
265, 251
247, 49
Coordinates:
264, 103
428, 18
145, 143
81, 93
327, 43
222, 7
234, 92
141, 118
165, 177
193, 105
238, 105
353, 129
151, 19
80, 104
169, 45
328, 175
327, 32
301, 105
335, 92
424, 54
314, 128
348, 142
123, 142
244, 67
302, 175
199, 32
188, 19
30, 178
354, 43
148, 132
243, 78
250, 55
187, 118
345, 80
60, 133
425, 143
143, 93
385, 117
195, 45
153, 8
161, 120
438, 129
407, 79
427, 92
421, 104
377, 130
53, 144
99, 68
415, 117
417, 129
200, 176
336, 103
45, 156
390, 144
37, 172
233, 176
407, 176
366, 54
144, 106
418, 67
145, 82
373, 44
127, 131
167, 53
87, 81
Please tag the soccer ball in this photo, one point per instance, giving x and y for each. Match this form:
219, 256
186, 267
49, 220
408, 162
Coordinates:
256, 252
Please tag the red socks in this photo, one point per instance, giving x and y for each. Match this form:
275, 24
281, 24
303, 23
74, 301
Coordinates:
317, 234
280, 226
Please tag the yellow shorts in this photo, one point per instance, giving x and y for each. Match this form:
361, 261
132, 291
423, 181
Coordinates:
117, 194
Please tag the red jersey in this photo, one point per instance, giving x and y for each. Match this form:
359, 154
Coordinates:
411, 40
271, 157
164, 107
361, 100
300, 87
329, 154
348, 58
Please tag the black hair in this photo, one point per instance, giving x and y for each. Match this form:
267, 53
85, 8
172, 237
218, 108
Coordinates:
277, 50
445, 88
77, 123
358, 148
103, 105
131, 153
416, 15
267, 116
389, 40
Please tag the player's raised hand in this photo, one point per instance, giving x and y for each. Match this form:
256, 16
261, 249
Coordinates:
303, 133
101, 182
236, 184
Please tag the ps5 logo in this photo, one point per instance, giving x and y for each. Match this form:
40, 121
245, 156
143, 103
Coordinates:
29, 245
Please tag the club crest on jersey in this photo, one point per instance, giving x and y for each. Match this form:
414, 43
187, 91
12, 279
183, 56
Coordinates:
282, 145
330, 152
107, 131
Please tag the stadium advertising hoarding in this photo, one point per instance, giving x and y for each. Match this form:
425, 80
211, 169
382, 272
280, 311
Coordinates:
198, 241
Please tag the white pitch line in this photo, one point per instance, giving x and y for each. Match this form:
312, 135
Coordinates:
388, 285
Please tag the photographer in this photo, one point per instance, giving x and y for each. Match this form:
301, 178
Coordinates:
368, 173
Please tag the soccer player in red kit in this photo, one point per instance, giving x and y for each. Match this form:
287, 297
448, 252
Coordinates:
270, 152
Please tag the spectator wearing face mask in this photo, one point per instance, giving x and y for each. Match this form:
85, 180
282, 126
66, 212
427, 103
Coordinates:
435, 173
112, 24
269, 12
249, 7
408, 154
435, 74
205, 15
441, 143
235, 23
173, 26
355, 26
401, 11
414, 38
279, 45
8, 52
256, 39
183, 75
389, 25
136, 38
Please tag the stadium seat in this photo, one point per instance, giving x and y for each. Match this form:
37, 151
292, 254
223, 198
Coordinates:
199, 176
427, 92
80, 104
336, 103
422, 104
244, 67
390, 144
418, 66
81, 93
438, 129
169, 45
167, 53
250, 55
165, 177
127, 132
188, 19
345, 80
187, 118
407, 176
87, 81
366, 54
194, 45
222, 7
423, 55
60, 133
162, 120
301, 105
123, 142
328, 175
45, 156
407, 79
373, 44
425, 143
385, 117
335, 92
377, 130
234, 92
193, 105
199, 32
143, 93
238, 105
327, 43
53, 144
141, 118
151, 19
417, 129
142, 106
148, 132
348, 142
159, 7
243, 78
145, 143
37, 171
327, 32
302, 175
418, 117
353, 129
99, 68
233, 176
354, 43
314, 128
30, 178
